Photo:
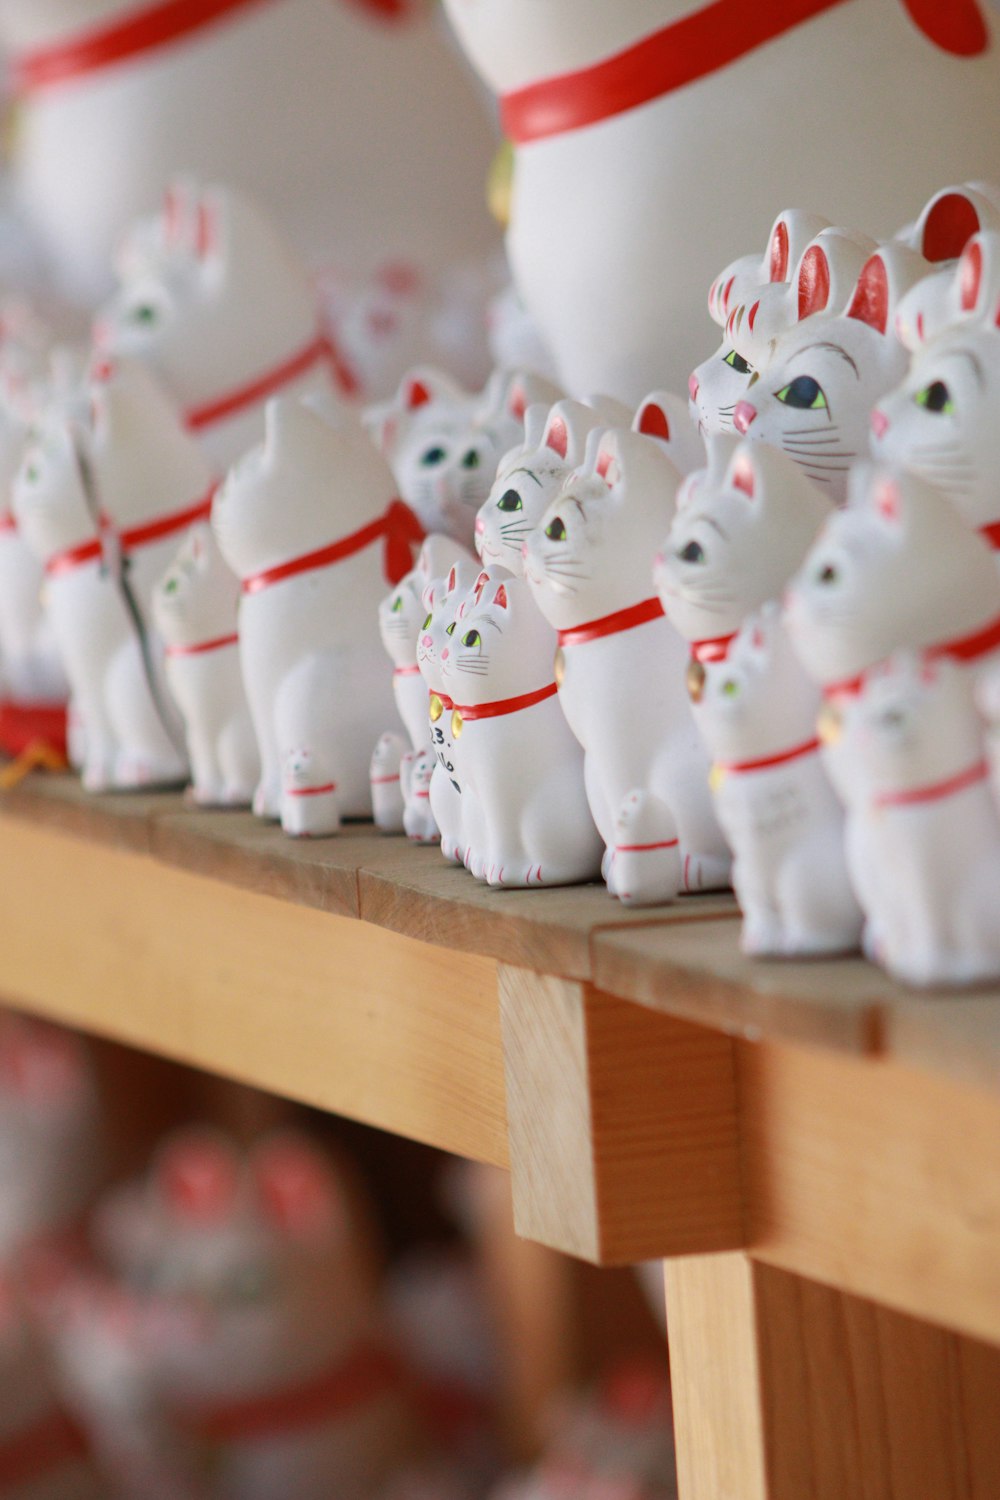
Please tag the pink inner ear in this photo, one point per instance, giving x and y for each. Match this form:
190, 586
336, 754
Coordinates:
417, 394
295, 1189
814, 282
500, 597
870, 303
950, 225
172, 215
779, 252
970, 275
887, 500
653, 421
758, 640
452, 580
198, 1179
481, 583
743, 477
205, 234
557, 438
604, 460
518, 403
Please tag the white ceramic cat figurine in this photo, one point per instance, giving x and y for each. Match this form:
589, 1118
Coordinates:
445, 454
103, 506
816, 389
720, 381
924, 831
943, 422
527, 821
195, 608
116, 96
757, 711
309, 524
222, 311
742, 528
441, 600
401, 615
281, 1377
896, 568
620, 670
615, 114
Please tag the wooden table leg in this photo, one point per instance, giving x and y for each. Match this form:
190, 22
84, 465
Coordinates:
788, 1390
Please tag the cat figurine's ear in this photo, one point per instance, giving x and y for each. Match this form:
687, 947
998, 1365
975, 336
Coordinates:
887, 499
535, 420
291, 427
737, 285
509, 394
742, 475
196, 1176
297, 1189
666, 417
719, 449
884, 280
829, 269
950, 219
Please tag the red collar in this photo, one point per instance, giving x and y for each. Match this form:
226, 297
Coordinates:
366, 1374
434, 699
991, 534
140, 30
676, 55
713, 648
203, 646
398, 526
936, 791
231, 403
969, 647
622, 619
413, 671
763, 762
164, 526
504, 705
72, 558
32, 1455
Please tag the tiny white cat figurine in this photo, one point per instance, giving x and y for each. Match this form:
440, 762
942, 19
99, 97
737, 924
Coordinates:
442, 597
943, 422
527, 821
104, 506
195, 607
743, 526
815, 391
924, 833
757, 712
303, 520
224, 314
896, 568
620, 114
620, 670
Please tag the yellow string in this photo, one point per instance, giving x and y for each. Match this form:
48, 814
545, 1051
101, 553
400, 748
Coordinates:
38, 756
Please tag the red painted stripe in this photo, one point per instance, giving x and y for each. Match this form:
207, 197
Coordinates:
413, 671
935, 791
504, 705
681, 53
969, 647
642, 848
713, 648
622, 619
74, 557
311, 791
383, 780
738, 767
203, 646
398, 526
141, 30
231, 403
164, 526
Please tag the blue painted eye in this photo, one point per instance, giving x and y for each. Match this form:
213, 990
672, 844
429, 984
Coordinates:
472, 638
692, 552
432, 457
805, 393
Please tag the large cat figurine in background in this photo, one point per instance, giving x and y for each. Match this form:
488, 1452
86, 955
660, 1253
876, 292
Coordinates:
620, 670
527, 822
308, 522
214, 299
621, 114
388, 138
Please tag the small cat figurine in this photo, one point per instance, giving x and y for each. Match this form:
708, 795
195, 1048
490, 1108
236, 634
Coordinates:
896, 568
195, 608
742, 528
620, 670
401, 615
526, 818
103, 506
442, 598
814, 395
757, 711
224, 315
943, 422
303, 520
924, 832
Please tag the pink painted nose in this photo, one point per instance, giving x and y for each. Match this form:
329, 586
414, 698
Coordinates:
444, 654
428, 640
480, 526
880, 422
693, 386
744, 414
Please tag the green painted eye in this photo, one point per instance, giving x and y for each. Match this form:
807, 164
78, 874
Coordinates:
397, 604
556, 530
730, 687
144, 313
936, 398
804, 393
427, 623
737, 362
692, 552
31, 474
432, 457
510, 500
451, 628
828, 574
471, 460
171, 586
472, 638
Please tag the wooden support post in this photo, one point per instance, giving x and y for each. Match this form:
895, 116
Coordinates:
788, 1390
622, 1124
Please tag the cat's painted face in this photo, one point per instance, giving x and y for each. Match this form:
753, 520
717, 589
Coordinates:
197, 596
741, 530
441, 600
943, 422
562, 554
48, 497
715, 388
501, 645
400, 617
